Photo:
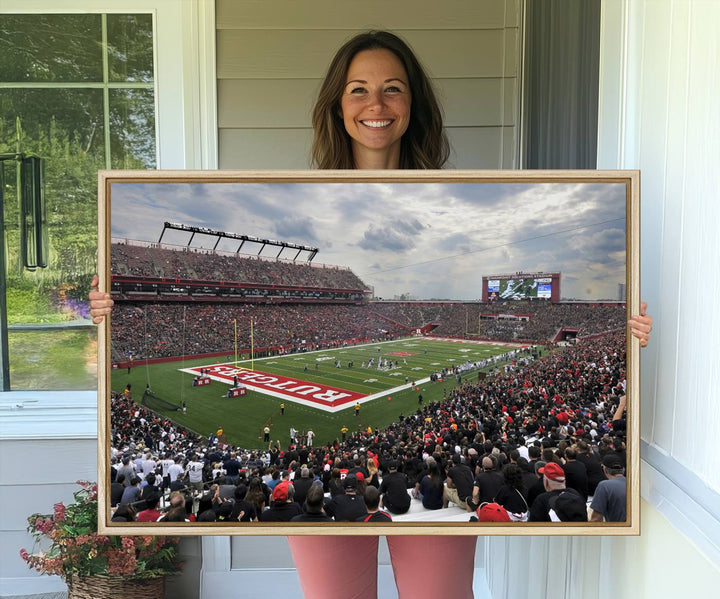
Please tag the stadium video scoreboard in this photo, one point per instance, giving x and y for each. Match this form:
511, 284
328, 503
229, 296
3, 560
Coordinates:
521, 286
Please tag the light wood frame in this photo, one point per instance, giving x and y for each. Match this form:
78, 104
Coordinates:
630, 179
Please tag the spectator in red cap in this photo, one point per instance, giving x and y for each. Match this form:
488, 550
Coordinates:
541, 509
554, 483
282, 508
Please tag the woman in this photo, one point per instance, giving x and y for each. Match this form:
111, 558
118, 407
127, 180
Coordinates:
373, 479
363, 120
335, 485
432, 486
124, 513
376, 109
256, 495
511, 495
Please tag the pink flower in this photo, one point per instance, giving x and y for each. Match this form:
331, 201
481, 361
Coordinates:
121, 561
73, 554
59, 511
128, 543
43, 526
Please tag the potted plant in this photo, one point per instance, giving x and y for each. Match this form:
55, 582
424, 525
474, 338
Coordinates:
67, 544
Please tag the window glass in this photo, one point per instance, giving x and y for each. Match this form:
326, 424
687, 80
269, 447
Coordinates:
57, 359
56, 100
132, 128
55, 123
37, 48
130, 47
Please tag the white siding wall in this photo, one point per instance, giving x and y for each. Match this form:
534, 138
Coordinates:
660, 80
672, 133
664, 113
271, 57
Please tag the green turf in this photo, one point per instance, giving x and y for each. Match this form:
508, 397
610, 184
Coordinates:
243, 419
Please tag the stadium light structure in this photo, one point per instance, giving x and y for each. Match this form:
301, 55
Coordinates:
283, 245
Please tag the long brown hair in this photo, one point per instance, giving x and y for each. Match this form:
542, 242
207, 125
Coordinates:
424, 144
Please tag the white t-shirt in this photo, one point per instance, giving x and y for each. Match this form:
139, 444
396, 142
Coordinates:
194, 470
174, 471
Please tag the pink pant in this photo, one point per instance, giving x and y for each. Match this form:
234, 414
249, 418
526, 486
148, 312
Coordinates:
424, 566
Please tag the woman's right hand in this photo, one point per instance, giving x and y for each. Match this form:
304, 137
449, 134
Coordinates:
100, 303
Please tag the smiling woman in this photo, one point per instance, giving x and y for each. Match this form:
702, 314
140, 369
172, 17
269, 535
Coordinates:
381, 70
375, 108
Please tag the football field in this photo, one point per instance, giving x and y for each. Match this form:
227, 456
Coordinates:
319, 389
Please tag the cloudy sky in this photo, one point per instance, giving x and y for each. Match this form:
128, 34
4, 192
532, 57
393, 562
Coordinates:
430, 240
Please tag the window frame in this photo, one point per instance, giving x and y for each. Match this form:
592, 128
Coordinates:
186, 138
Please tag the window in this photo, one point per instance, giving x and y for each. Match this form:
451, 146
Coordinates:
77, 90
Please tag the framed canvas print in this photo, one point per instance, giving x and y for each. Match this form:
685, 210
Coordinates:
364, 352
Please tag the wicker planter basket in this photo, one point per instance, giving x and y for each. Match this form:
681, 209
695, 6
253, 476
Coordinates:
116, 587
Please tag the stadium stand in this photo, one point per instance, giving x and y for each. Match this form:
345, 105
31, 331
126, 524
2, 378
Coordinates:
206, 328
155, 261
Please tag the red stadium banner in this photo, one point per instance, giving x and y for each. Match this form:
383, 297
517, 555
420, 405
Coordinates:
277, 385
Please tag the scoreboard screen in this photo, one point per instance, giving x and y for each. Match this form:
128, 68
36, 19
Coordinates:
520, 288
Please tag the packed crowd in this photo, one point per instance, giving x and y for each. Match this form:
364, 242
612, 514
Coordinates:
156, 330
537, 440
532, 321
186, 263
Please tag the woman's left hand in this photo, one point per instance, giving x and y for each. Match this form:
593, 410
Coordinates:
100, 303
641, 325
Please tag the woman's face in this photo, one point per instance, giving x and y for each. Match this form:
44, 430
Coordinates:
375, 106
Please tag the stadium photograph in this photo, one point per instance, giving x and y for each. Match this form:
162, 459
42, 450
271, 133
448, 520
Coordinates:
362, 351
